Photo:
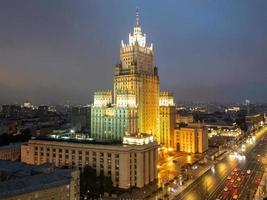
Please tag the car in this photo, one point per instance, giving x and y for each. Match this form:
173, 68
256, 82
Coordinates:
228, 177
225, 189
235, 196
248, 171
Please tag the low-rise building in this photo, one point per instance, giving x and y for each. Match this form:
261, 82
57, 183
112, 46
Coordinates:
131, 163
10, 152
20, 181
192, 139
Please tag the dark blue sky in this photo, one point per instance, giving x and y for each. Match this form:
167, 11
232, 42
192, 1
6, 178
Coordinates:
53, 51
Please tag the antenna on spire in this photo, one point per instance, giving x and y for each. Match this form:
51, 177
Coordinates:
137, 17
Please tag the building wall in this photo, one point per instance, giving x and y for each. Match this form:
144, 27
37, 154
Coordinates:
10, 152
128, 165
167, 119
184, 119
167, 126
112, 123
192, 139
202, 139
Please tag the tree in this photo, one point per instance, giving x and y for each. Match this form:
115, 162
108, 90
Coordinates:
241, 121
96, 185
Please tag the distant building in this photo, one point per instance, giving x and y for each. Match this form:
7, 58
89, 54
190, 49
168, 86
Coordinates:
11, 111
167, 116
19, 181
254, 121
27, 104
131, 164
233, 109
43, 110
185, 118
10, 152
223, 130
192, 139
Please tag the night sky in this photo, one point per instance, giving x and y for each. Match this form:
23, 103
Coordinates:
57, 50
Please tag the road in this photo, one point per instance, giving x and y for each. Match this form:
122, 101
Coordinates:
211, 185
168, 169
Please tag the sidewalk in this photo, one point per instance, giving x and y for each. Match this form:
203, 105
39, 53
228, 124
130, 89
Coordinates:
260, 193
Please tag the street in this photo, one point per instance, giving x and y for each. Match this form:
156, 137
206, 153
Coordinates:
230, 178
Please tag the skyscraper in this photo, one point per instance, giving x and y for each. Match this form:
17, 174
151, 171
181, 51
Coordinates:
135, 106
137, 75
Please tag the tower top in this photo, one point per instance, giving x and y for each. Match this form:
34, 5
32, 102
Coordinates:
137, 19
137, 37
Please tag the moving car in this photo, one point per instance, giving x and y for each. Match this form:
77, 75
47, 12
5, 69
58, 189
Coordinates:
225, 189
235, 196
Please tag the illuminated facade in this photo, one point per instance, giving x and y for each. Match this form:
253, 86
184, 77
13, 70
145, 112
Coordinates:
131, 163
167, 119
112, 122
136, 104
192, 139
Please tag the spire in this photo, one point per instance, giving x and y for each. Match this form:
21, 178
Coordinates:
137, 18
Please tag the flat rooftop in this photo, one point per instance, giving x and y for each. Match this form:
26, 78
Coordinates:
80, 141
18, 178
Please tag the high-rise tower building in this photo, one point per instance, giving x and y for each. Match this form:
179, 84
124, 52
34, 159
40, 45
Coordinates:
136, 77
135, 107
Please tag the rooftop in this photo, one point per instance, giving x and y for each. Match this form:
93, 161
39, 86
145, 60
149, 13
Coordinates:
77, 140
12, 145
18, 178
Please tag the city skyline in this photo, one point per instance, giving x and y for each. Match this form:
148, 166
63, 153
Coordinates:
53, 52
